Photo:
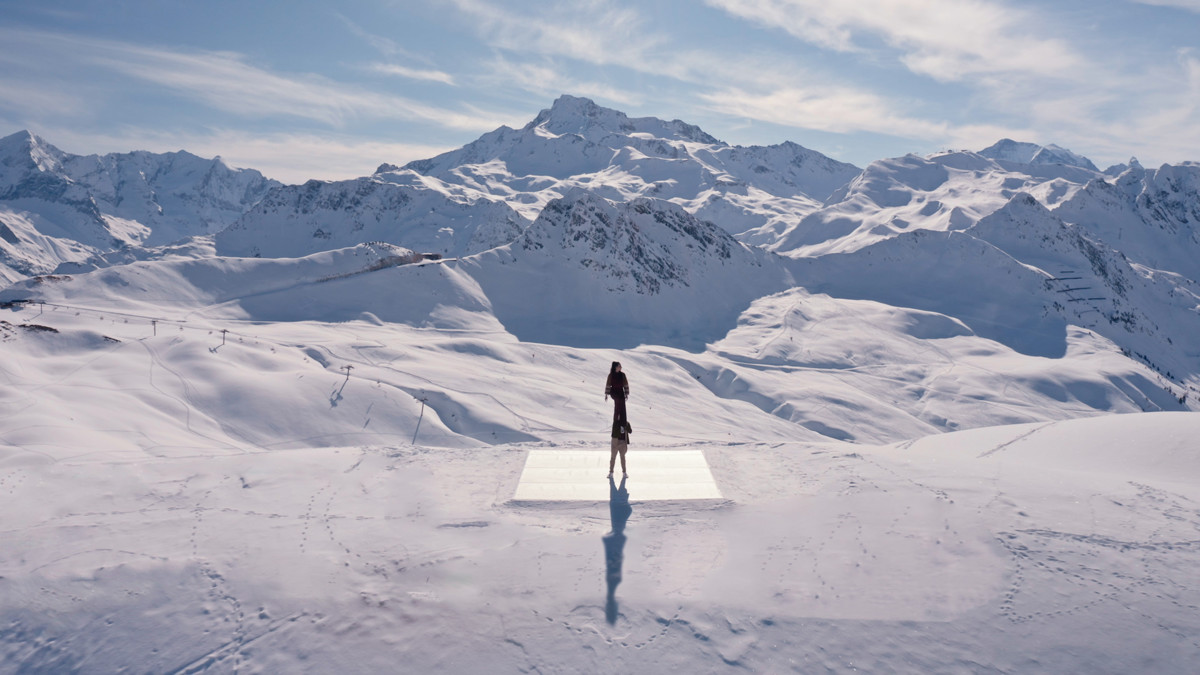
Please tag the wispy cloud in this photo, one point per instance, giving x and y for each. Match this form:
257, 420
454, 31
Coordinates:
288, 157
993, 57
412, 73
393, 52
227, 82
945, 39
824, 109
848, 110
548, 79
1165, 126
596, 31
19, 97
752, 85
379, 43
602, 34
1190, 5
980, 69
941, 73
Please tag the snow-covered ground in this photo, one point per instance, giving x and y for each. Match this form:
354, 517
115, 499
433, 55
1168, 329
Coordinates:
216, 492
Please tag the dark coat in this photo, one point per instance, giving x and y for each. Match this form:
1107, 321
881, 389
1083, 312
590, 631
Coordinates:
617, 386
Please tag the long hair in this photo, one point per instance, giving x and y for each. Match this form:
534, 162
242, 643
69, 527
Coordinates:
612, 370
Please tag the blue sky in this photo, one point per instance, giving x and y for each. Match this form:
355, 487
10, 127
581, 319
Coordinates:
304, 89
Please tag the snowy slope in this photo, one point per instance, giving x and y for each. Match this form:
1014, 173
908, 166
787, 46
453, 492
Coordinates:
792, 362
1020, 251
1155, 315
400, 208
868, 372
942, 192
1022, 277
795, 366
1015, 152
578, 144
57, 207
329, 286
178, 505
590, 272
1152, 216
34, 242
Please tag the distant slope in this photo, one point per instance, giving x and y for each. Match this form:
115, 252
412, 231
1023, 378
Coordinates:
359, 282
1008, 150
710, 327
1021, 276
57, 207
590, 272
1019, 248
1151, 215
941, 192
399, 208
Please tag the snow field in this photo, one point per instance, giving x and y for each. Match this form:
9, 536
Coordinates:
963, 551
178, 505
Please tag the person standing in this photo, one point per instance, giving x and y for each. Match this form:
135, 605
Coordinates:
617, 387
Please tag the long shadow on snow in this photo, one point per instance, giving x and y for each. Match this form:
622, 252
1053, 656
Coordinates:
614, 544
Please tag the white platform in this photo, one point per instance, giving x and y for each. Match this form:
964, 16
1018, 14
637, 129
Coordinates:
579, 475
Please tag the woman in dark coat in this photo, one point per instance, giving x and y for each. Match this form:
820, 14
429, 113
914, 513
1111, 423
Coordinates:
617, 387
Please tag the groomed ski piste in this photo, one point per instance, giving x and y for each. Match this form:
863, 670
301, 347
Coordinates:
269, 478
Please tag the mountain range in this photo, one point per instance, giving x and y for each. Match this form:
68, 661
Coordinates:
56, 207
590, 229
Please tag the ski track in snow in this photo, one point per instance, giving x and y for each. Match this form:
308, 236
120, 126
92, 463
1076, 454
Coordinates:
1016, 440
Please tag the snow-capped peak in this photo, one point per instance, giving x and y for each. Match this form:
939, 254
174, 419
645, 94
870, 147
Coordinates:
1008, 150
25, 151
582, 116
578, 144
60, 207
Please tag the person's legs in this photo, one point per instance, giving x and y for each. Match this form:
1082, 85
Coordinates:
619, 444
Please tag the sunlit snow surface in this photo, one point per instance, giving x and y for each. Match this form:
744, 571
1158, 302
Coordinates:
178, 498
